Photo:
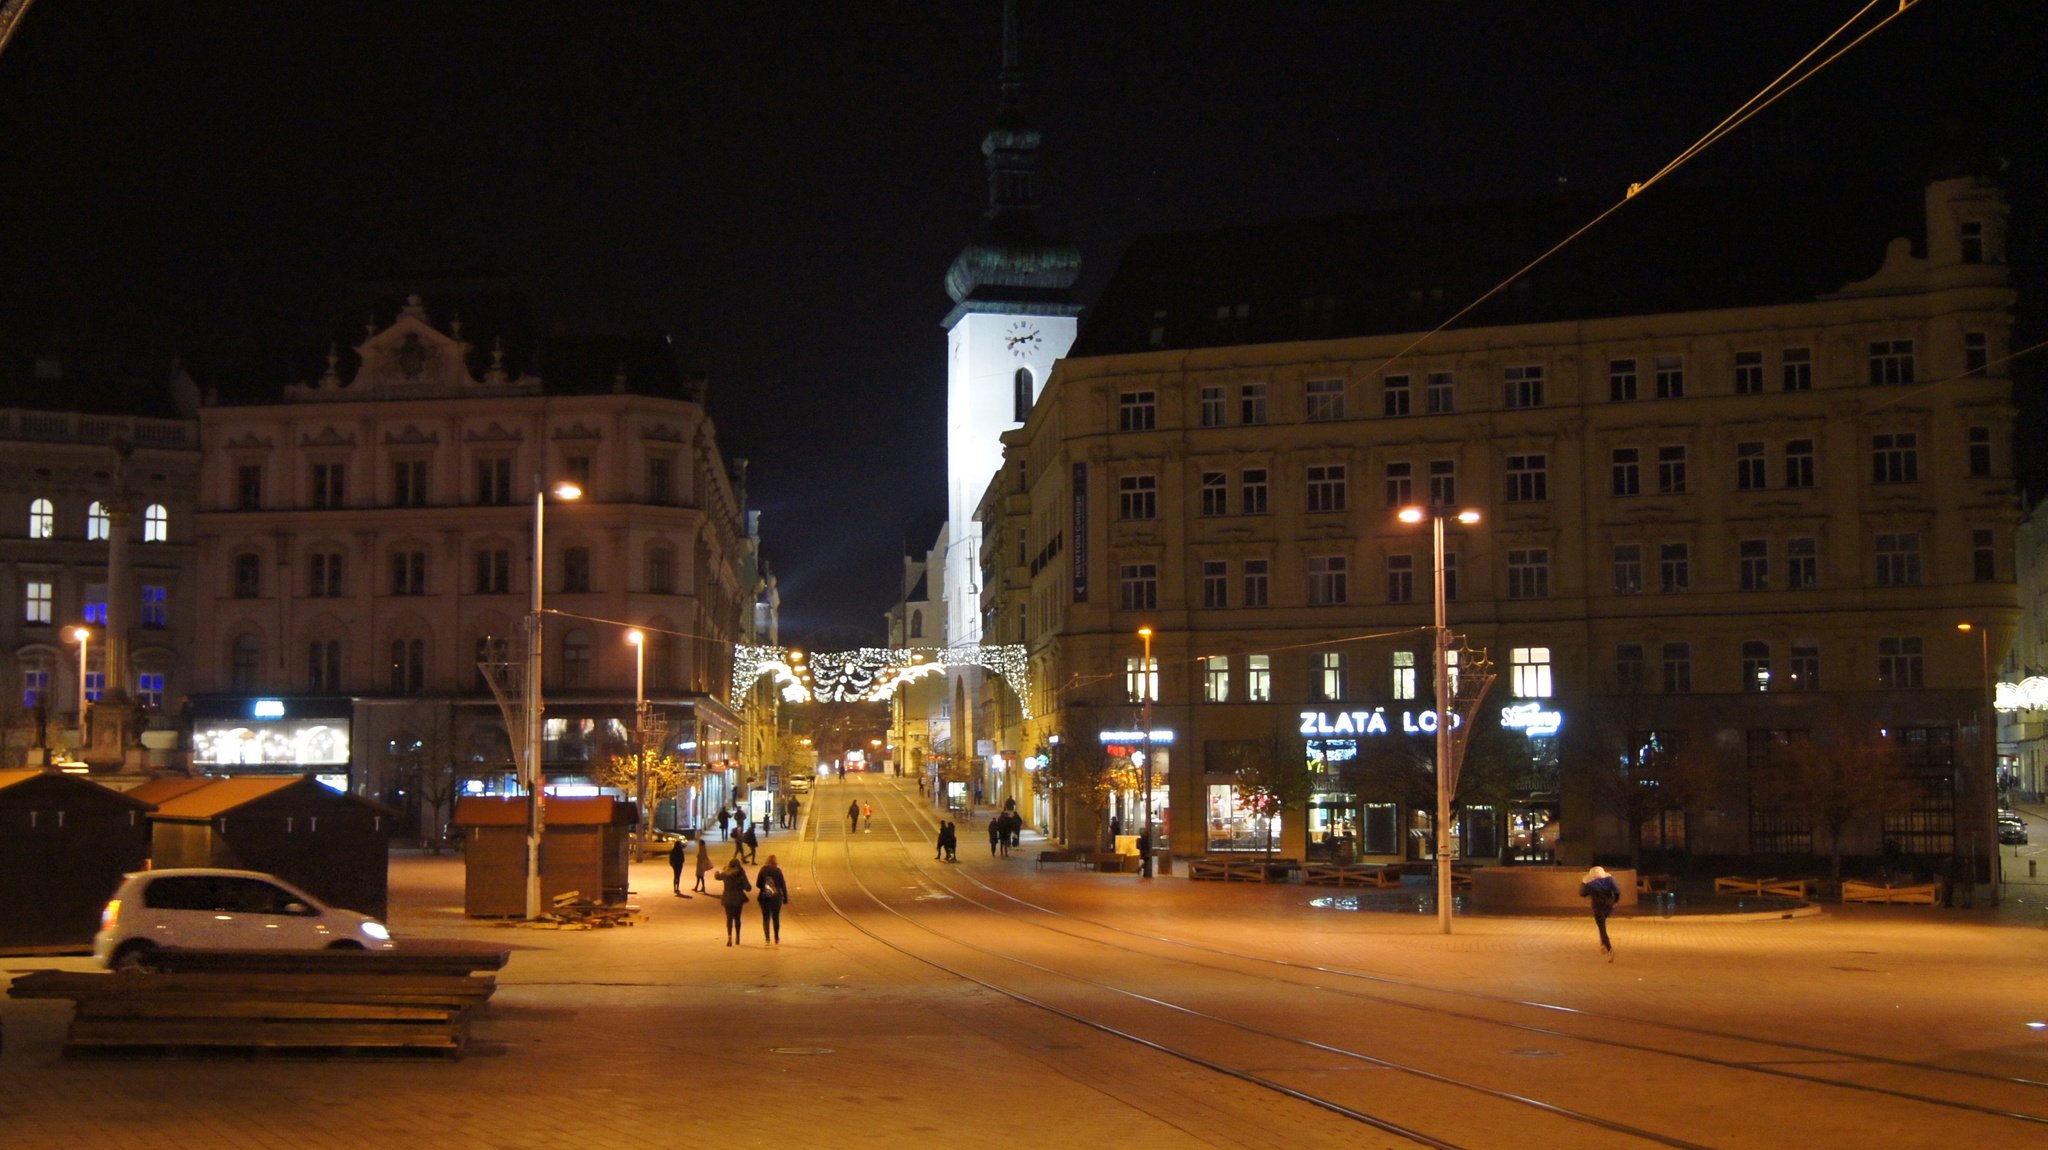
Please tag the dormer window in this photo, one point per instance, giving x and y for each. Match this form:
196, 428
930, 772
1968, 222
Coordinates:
1973, 242
412, 356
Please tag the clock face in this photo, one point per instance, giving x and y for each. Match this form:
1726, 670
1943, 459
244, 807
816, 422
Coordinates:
1023, 338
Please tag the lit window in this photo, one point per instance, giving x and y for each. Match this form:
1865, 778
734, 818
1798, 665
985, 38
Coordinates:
42, 519
1258, 678
149, 689
96, 603
1333, 676
156, 606
1530, 667
36, 603
156, 524
1141, 679
1404, 674
1216, 679
96, 523
1756, 666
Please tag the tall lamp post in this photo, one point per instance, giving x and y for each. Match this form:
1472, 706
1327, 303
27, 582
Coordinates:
639, 642
536, 782
84, 638
1436, 515
1988, 735
1148, 686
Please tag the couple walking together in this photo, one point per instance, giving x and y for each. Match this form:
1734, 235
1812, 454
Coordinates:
771, 892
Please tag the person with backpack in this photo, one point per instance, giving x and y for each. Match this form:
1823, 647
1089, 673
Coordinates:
734, 898
774, 893
1600, 888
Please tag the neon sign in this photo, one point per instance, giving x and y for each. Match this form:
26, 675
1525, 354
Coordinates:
1531, 719
1133, 736
1373, 722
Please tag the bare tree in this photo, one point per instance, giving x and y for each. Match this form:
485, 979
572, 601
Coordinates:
1271, 776
1842, 773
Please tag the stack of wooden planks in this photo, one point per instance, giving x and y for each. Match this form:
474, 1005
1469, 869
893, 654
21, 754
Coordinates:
252, 1004
1917, 894
1351, 874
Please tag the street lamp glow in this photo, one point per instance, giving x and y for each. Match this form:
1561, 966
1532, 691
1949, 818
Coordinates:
635, 638
1411, 515
80, 634
1468, 516
568, 491
1962, 626
1146, 631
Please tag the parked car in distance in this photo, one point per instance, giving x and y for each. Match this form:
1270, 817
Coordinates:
799, 784
2012, 829
209, 909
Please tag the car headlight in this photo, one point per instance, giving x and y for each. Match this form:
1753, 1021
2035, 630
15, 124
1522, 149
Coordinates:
377, 930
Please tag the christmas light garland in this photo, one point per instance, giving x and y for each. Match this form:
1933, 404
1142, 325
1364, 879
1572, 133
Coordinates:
872, 674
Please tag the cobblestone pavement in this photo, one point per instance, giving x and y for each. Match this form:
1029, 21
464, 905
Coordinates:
660, 1032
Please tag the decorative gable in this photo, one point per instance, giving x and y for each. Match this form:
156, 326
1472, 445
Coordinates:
411, 355
495, 433
578, 430
411, 434
327, 437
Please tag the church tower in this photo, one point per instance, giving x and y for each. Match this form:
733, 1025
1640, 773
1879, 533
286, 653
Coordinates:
1013, 315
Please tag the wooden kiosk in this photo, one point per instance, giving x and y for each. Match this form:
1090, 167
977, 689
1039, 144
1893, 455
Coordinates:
583, 849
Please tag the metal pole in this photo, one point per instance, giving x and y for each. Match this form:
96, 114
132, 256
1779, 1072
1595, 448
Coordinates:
1989, 736
1443, 729
536, 784
84, 642
1149, 684
640, 743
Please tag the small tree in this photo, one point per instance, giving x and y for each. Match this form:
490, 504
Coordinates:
1271, 776
1841, 774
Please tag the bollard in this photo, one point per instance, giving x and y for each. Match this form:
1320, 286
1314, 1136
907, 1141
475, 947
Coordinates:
2030, 867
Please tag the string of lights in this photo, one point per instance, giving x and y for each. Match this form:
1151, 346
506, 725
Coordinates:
873, 674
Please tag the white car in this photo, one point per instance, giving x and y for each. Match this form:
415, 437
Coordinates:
207, 909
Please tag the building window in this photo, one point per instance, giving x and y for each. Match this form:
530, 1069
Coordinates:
323, 571
1215, 583
493, 571
1756, 666
1400, 578
1403, 674
1216, 679
1525, 386
1021, 397
1677, 668
1443, 482
1628, 668
1891, 361
1895, 458
1802, 563
1983, 556
1670, 377
1252, 491
1256, 585
1215, 493
661, 571
35, 684
96, 603
1528, 478
1397, 394
408, 666
577, 467
1804, 674
1671, 471
1326, 488
1980, 451
494, 481
1628, 569
661, 479
156, 524
156, 605
1440, 397
1899, 663
248, 576
1138, 587
1450, 578
1972, 236
1141, 679
1530, 672
1323, 399
330, 484
1621, 380
409, 483
1326, 580
1754, 557
1251, 404
1400, 484
149, 689
1258, 678
408, 572
245, 663
1976, 352
576, 569
1796, 368
1212, 407
249, 486
96, 522
1137, 497
576, 658
1750, 467
323, 666
36, 602
1799, 463
1749, 372
42, 519
1333, 677
1898, 559
1674, 568
1137, 411
1627, 473
1529, 573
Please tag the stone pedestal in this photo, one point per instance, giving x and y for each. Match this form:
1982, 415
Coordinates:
1518, 888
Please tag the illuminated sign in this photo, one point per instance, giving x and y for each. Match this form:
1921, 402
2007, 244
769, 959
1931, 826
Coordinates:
267, 709
1373, 722
277, 743
1531, 719
1133, 736
2029, 694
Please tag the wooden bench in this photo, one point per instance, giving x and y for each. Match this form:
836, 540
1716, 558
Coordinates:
1350, 874
1801, 888
1916, 894
1255, 869
1742, 884
1653, 884
341, 1012
1045, 857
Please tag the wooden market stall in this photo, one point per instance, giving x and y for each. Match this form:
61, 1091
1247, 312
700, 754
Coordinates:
335, 846
65, 842
584, 850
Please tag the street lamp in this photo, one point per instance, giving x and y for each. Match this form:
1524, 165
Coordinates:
1987, 734
639, 642
84, 638
1436, 515
536, 781
1147, 687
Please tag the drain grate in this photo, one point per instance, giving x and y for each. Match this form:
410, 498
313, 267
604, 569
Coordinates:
801, 1050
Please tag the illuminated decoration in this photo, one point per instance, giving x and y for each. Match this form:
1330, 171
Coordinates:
1532, 720
1373, 722
303, 743
267, 709
1133, 736
2029, 694
872, 674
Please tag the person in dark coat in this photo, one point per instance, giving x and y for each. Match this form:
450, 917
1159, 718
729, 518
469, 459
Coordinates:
1599, 887
1016, 829
796, 810
774, 892
949, 841
677, 856
853, 817
703, 865
724, 821
998, 835
750, 841
734, 898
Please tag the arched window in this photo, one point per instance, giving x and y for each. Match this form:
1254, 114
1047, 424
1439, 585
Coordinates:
156, 524
1023, 397
408, 666
917, 624
576, 658
96, 521
42, 519
247, 662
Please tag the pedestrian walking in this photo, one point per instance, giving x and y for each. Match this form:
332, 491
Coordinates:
677, 856
750, 841
703, 865
1016, 829
774, 892
724, 821
853, 816
867, 816
1116, 828
1599, 887
796, 810
939, 842
734, 898
998, 835
949, 838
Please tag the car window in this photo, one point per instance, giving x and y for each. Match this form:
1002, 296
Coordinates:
254, 896
223, 894
181, 892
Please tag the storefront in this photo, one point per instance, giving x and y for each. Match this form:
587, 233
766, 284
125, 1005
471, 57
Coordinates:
1127, 771
253, 736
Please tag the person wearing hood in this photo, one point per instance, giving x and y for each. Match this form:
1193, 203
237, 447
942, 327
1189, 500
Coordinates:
1599, 886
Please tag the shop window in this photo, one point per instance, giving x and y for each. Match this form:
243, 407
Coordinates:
1234, 827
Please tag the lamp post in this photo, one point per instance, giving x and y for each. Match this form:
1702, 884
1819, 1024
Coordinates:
536, 781
84, 638
1436, 515
1988, 736
1147, 687
639, 642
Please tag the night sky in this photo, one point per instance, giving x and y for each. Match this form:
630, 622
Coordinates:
782, 185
